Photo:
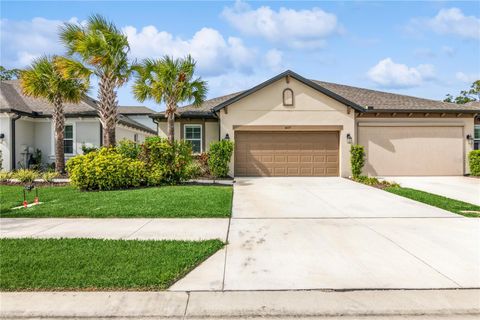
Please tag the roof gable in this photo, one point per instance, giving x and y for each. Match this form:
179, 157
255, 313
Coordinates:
297, 77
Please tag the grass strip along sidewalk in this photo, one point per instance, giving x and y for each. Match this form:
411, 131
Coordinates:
455, 206
92, 264
159, 202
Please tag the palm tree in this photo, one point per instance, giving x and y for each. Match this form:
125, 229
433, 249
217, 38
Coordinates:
43, 79
103, 51
169, 81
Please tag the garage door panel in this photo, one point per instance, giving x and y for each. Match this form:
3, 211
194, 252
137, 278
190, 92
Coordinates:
409, 151
286, 154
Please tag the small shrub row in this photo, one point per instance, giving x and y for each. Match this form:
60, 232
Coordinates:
374, 182
28, 175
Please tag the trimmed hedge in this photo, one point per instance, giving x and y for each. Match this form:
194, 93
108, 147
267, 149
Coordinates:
357, 159
219, 157
154, 163
105, 169
474, 162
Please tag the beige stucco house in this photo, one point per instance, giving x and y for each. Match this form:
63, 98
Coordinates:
26, 125
293, 126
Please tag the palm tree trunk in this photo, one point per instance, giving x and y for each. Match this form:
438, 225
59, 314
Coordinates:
58, 118
171, 126
108, 109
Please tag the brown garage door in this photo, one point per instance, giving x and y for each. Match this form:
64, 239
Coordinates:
286, 154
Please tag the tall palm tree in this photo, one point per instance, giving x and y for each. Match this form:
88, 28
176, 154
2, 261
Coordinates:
169, 81
103, 50
43, 79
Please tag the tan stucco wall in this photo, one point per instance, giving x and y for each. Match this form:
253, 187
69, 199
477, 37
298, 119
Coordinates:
211, 133
128, 133
265, 107
436, 136
162, 130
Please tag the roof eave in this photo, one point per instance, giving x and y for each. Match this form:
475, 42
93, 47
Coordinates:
422, 111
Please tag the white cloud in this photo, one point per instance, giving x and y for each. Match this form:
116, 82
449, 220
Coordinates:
214, 53
467, 78
449, 51
294, 28
274, 60
387, 73
23, 41
450, 21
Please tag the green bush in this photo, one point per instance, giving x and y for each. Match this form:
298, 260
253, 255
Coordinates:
128, 149
48, 176
171, 160
25, 175
357, 159
105, 169
474, 162
372, 181
219, 157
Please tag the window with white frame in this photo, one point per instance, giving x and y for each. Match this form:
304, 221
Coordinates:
135, 138
476, 137
193, 133
68, 139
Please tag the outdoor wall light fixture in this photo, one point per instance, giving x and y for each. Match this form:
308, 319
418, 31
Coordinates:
2, 136
349, 138
227, 137
470, 138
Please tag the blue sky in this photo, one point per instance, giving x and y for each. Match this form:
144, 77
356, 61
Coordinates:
425, 49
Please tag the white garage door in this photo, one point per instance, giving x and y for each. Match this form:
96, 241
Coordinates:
410, 151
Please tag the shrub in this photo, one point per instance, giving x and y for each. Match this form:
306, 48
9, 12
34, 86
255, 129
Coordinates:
5, 175
128, 148
87, 150
105, 169
372, 181
357, 159
36, 160
219, 157
202, 163
48, 176
25, 175
474, 162
172, 160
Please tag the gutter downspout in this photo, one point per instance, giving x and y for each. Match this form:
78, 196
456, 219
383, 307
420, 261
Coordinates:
13, 142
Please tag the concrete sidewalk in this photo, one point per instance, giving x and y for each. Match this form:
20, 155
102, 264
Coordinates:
242, 304
143, 229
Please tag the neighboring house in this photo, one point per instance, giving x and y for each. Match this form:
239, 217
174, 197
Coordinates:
26, 125
292, 126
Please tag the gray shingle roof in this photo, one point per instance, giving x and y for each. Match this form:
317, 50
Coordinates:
371, 100
390, 101
135, 110
12, 100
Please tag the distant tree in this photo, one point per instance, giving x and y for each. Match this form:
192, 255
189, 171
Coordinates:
465, 96
9, 74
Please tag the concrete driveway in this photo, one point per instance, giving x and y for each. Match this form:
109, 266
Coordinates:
460, 188
332, 233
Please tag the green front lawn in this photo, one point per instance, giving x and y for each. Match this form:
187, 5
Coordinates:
164, 202
91, 264
441, 202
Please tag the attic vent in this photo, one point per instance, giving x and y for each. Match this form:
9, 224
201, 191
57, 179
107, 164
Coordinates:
288, 97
